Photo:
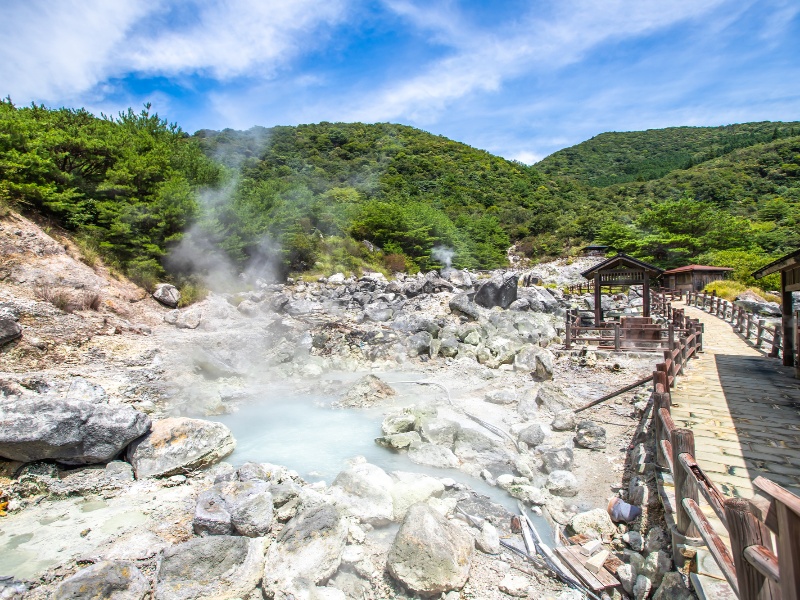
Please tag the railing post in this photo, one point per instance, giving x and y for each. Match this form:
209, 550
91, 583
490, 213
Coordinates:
746, 530
616, 337
683, 443
760, 333
568, 333
748, 325
682, 354
776, 342
788, 546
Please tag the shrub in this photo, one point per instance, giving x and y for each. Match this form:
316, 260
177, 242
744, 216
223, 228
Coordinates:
89, 254
57, 296
396, 263
729, 290
192, 292
90, 300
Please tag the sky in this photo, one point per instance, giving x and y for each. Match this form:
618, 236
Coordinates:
520, 79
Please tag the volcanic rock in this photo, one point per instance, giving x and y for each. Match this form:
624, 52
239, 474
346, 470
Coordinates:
177, 444
74, 432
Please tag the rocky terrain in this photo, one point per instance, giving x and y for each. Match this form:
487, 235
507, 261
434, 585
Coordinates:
114, 473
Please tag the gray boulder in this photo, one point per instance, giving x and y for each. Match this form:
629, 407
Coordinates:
439, 431
556, 459
564, 420
243, 507
366, 490
501, 396
210, 567
536, 360
411, 488
590, 436
307, 552
498, 291
433, 456
430, 555
419, 343
562, 483
398, 441
74, 432
528, 407
673, 588
113, 580
167, 294
551, 397
414, 323
461, 304
177, 444
398, 424
9, 330
533, 435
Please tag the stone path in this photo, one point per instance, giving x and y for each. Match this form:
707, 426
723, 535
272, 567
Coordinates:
744, 410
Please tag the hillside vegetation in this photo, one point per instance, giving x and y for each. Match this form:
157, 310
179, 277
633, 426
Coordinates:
612, 158
329, 197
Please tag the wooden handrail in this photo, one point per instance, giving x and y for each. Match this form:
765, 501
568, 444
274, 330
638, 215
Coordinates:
751, 568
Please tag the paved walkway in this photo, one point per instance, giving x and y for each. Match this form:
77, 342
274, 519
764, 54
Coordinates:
744, 409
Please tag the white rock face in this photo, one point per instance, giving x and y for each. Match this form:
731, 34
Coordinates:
308, 551
178, 444
74, 432
366, 491
210, 567
115, 580
430, 555
596, 520
410, 488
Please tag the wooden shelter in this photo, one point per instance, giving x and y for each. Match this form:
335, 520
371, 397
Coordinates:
693, 277
789, 268
621, 271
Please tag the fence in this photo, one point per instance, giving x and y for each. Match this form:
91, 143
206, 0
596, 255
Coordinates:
743, 321
756, 567
638, 333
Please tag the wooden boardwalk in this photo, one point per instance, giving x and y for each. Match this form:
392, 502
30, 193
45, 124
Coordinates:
744, 410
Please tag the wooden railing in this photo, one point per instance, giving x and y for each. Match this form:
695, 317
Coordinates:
581, 288
751, 567
755, 330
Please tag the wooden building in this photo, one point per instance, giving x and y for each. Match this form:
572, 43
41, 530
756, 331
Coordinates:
693, 277
789, 268
621, 271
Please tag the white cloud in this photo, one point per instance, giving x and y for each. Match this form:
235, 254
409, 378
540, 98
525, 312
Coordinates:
527, 157
56, 51
484, 60
52, 50
232, 38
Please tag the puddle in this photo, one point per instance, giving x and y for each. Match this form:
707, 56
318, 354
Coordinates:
92, 505
15, 541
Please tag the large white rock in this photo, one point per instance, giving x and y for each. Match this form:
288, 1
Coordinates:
74, 432
114, 580
410, 488
366, 492
430, 555
177, 444
433, 455
593, 521
307, 552
219, 567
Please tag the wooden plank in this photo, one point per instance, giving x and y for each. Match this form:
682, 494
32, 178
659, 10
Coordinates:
764, 561
603, 576
706, 487
715, 544
578, 569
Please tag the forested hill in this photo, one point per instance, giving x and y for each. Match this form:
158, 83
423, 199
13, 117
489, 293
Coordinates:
611, 158
321, 187
156, 202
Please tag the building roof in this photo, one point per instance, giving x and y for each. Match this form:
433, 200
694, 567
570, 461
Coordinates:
622, 260
778, 265
688, 268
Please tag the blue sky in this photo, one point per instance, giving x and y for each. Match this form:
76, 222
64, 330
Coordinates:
520, 79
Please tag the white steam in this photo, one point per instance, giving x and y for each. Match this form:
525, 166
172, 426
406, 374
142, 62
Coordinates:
444, 256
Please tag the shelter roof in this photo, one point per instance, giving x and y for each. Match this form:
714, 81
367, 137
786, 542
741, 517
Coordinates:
622, 261
782, 263
688, 268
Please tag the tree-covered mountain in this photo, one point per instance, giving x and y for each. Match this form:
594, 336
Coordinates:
339, 197
612, 158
